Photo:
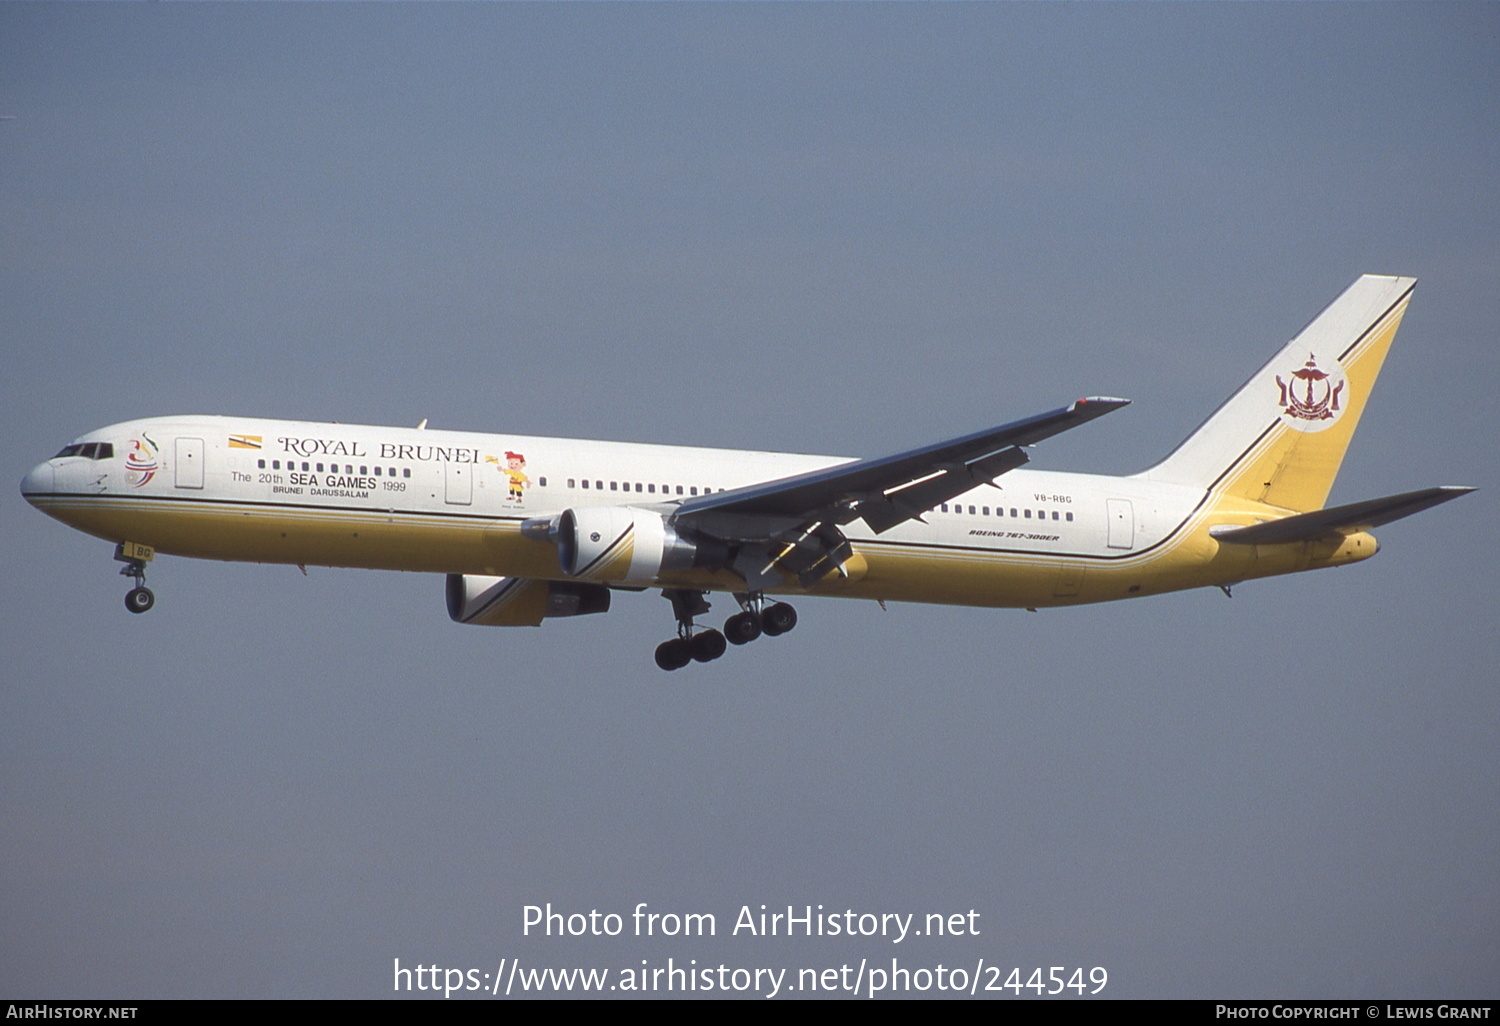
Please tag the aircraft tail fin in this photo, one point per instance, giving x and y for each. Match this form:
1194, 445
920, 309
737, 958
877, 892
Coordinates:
1282, 437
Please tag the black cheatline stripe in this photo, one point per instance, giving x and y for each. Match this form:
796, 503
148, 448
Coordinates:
500, 596
257, 504
935, 546
1030, 553
874, 542
1243, 453
1374, 326
1378, 321
607, 552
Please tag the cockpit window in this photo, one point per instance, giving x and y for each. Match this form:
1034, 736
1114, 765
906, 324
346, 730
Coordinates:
88, 450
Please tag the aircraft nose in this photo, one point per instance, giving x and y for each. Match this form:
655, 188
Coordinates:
38, 481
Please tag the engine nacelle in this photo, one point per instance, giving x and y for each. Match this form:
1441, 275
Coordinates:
520, 601
627, 545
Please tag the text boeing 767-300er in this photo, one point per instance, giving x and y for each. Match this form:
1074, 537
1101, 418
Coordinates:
529, 528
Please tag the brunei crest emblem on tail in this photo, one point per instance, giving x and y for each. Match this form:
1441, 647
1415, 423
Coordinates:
1312, 398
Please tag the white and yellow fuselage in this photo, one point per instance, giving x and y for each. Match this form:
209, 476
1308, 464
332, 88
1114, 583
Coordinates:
450, 502
530, 527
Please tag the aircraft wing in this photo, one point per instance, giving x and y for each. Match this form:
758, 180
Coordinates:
889, 490
799, 516
1357, 516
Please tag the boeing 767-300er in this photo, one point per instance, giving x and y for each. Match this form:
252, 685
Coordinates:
529, 528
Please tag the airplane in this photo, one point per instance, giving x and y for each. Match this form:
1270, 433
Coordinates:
529, 528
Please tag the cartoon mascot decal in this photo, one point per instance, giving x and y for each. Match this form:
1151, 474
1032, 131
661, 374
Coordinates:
514, 462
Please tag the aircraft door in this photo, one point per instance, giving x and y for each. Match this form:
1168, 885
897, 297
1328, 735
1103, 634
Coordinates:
459, 483
1121, 523
188, 467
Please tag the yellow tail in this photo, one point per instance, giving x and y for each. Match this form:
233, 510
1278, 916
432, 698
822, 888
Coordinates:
1282, 437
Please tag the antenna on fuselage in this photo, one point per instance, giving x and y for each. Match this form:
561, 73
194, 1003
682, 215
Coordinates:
422, 426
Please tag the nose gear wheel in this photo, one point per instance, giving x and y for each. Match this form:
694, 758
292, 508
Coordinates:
140, 598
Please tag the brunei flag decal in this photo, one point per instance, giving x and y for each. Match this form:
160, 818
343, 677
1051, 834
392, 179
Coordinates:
244, 441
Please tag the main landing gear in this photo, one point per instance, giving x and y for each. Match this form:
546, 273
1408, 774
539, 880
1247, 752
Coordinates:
135, 557
706, 644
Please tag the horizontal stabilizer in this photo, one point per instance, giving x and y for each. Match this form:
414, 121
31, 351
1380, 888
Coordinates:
1357, 516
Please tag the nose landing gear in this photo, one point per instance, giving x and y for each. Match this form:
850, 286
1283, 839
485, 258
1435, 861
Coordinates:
135, 557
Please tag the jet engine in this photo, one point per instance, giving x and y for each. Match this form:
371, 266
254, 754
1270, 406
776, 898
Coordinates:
625, 545
519, 601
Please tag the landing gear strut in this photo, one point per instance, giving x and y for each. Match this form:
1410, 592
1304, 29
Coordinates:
754, 619
691, 642
135, 557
